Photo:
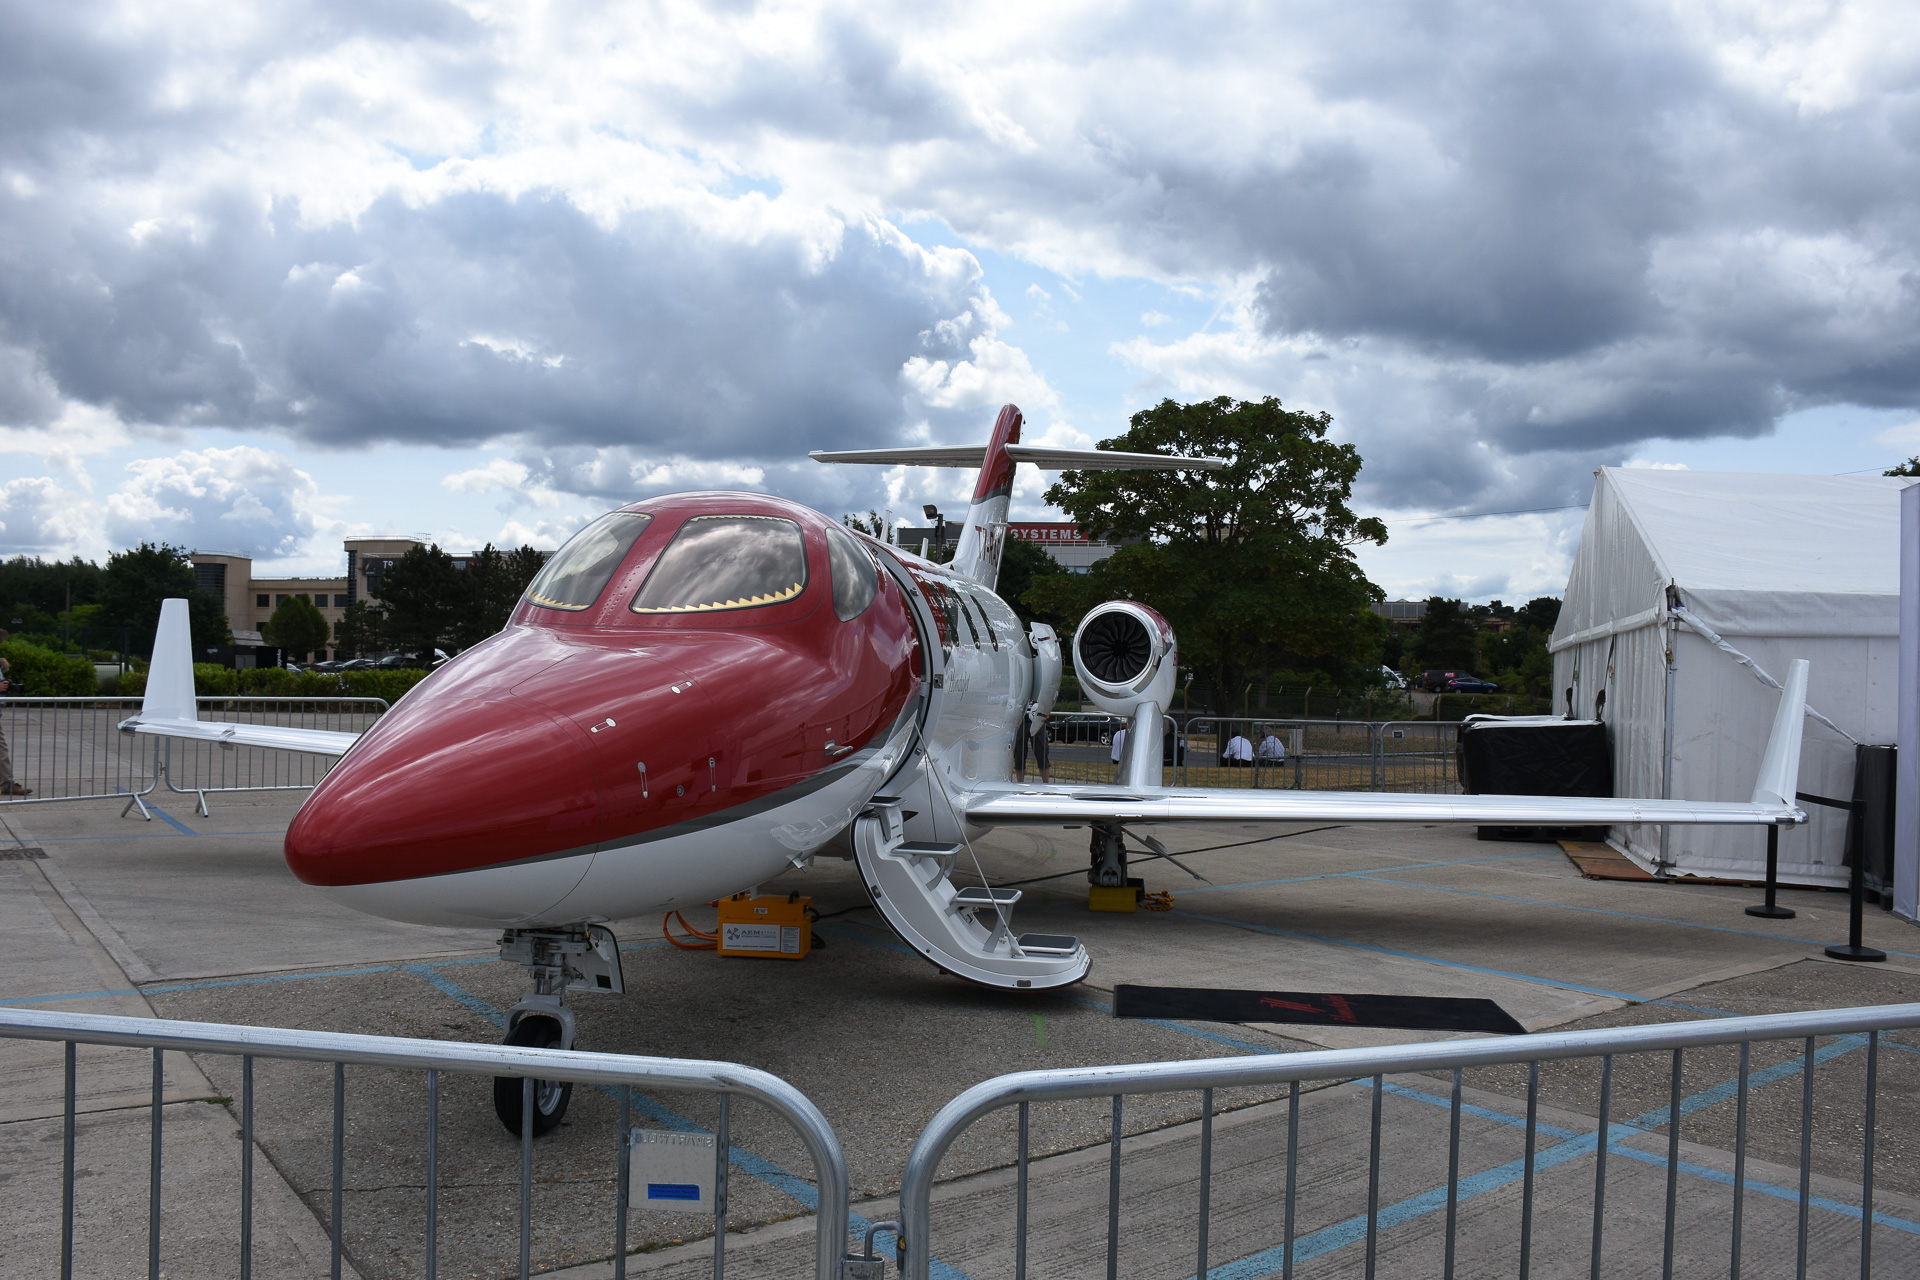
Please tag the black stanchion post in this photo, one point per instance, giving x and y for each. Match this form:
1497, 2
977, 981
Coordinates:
1857, 886
1770, 910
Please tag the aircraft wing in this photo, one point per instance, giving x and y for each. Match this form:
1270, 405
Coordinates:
169, 709
1018, 804
1774, 801
317, 742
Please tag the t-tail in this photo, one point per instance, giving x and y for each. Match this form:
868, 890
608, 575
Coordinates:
1779, 782
983, 536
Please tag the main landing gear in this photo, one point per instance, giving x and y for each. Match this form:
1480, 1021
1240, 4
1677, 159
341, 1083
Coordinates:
581, 957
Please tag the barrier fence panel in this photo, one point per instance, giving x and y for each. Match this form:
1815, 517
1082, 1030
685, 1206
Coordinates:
623, 1076
1310, 755
1417, 755
70, 749
1594, 1181
201, 767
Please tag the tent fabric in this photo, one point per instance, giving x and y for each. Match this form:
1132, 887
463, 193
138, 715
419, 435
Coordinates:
1782, 566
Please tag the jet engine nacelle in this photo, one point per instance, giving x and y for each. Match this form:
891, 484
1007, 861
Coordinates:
1125, 654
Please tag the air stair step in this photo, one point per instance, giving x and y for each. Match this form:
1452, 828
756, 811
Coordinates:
979, 896
962, 929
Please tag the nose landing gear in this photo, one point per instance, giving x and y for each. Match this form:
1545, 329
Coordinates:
583, 957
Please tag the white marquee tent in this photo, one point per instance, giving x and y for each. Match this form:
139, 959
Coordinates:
1776, 567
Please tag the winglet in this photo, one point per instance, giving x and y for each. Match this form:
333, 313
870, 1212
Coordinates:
170, 675
1779, 782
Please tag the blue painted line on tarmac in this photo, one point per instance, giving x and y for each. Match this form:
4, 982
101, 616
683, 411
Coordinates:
1336, 875
1601, 911
167, 988
1327, 1240
482, 1007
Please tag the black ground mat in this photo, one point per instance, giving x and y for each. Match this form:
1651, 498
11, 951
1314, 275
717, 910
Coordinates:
1314, 1009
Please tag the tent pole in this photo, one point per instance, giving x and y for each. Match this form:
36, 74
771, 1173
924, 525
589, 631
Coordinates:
1771, 910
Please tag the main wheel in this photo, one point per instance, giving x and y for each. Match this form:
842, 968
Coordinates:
550, 1097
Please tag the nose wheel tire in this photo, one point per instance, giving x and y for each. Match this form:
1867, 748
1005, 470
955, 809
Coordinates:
550, 1097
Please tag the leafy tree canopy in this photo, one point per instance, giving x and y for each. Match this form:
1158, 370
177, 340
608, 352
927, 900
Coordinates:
296, 626
136, 581
1911, 467
1447, 637
428, 602
1252, 564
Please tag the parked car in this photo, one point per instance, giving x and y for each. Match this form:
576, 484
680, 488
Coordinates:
1393, 679
1470, 684
1083, 729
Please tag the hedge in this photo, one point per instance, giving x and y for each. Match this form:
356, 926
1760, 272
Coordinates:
277, 682
42, 673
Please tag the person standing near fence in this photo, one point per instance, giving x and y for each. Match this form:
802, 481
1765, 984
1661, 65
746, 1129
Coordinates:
1032, 735
8, 787
1119, 750
1238, 753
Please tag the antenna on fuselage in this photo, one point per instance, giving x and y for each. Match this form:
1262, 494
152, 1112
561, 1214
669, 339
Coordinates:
984, 533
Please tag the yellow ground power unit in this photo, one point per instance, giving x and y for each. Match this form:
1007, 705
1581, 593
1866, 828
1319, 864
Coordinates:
771, 926
1116, 897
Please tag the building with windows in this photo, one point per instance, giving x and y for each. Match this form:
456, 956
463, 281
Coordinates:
1070, 548
250, 601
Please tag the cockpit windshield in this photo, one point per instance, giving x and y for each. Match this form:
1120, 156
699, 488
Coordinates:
579, 571
726, 562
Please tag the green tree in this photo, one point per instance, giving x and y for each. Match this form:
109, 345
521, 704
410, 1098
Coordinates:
1446, 637
422, 601
1024, 564
1911, 467
136, 581
493, 583
297, 627
358, 630
1252, 564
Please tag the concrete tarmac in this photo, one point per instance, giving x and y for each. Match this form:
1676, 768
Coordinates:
196, 917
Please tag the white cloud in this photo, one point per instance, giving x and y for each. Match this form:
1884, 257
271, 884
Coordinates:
500, 473
38, 517
243, 500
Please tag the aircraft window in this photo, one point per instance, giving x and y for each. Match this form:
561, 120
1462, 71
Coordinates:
580, 570
973, 630
856, 580
726, 562
986, 620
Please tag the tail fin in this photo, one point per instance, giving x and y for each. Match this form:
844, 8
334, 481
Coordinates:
985, 531
981, 538
1779, 780
169, 693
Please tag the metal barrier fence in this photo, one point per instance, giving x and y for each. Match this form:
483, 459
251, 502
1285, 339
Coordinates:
196, 768
1313, 755
1025, 1089
725, 1079
71, 749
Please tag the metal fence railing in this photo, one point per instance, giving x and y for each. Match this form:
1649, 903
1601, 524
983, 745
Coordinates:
620, 1074
71, 749
1559, 1240
197, 768
1302, 755
68, 749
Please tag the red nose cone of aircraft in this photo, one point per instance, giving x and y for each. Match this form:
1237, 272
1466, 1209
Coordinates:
479, 783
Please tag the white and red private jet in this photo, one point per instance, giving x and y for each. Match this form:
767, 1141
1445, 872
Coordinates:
702, 691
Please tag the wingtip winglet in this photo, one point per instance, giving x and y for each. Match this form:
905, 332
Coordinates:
169, 694
1778, 785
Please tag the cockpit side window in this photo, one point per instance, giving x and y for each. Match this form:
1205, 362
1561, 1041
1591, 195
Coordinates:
726, 562
579, 571
856, 579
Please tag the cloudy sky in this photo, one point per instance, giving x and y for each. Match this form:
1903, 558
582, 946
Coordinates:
270, 277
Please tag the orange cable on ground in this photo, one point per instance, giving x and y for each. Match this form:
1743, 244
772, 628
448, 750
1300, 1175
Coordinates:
711, 941
1158, 900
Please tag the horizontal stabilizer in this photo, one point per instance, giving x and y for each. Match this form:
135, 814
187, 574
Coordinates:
1043, 456
313, 742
